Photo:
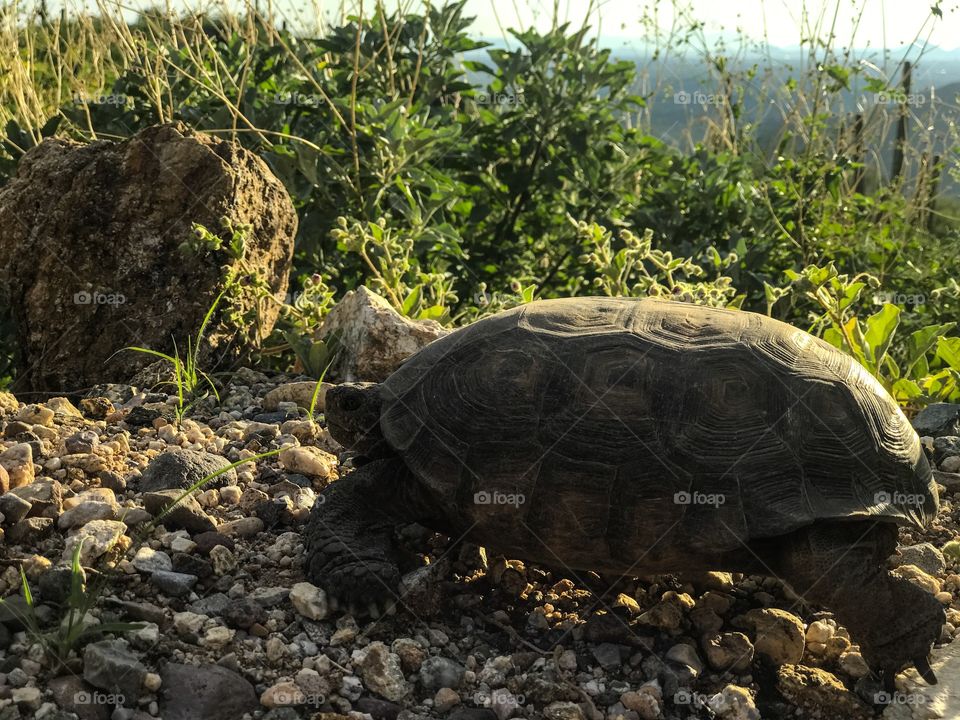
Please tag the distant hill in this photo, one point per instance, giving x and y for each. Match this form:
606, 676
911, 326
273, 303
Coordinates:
685, 98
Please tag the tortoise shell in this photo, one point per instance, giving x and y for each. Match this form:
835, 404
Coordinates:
591, 427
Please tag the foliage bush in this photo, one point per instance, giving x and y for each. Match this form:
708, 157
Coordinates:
446, 173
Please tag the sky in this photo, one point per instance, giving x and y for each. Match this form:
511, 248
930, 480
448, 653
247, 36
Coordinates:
870, 23
879, 23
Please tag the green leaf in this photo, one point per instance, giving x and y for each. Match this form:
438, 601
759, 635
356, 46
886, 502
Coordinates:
906, 390
27, 595
834, 337
411, 301
880, 328
948, 350
436, 312
919, 343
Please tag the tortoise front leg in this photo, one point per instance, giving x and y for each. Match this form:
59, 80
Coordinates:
842, 566
349, 537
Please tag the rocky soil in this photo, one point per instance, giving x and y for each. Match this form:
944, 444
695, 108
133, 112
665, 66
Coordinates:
228, 628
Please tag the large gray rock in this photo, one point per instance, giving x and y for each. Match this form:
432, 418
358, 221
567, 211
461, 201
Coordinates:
181, 469
210, 692
186, 514
372, 338
923, 555
91, 236
938, 419
110, 666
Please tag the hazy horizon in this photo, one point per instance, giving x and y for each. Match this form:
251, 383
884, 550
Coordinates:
889, 24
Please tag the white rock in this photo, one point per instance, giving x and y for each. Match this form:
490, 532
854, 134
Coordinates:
309, 600
146, 637
100, 494
309, 460
182, 544
98, 537
373, 338
820, 631
152, 682
86, 512
63, 406
230, 494
27, 696
223, 560
217, 637
35, 415
188, 623
734, 703
148, 560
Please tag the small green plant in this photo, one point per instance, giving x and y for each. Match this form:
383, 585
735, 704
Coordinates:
924, 368
71, 631
315, 356
395, 270
487, 302
316, 391
204, 241
188, 378
635, 268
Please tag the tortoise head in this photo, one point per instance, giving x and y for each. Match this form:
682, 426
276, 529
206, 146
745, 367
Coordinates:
352, 412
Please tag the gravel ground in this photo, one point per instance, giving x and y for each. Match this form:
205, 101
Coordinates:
228, 628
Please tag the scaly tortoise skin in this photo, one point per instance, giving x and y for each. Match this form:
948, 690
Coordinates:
635, 437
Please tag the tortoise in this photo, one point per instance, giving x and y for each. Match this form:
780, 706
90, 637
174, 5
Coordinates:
639, 436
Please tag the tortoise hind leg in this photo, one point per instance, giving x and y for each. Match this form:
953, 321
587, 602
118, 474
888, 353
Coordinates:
842, 566
349, 537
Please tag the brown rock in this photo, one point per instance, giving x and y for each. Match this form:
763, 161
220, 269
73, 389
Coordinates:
91, 237
45, 496
819, 692
728, 651
777, 634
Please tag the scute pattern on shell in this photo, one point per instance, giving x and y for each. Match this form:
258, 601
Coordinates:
605, 414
